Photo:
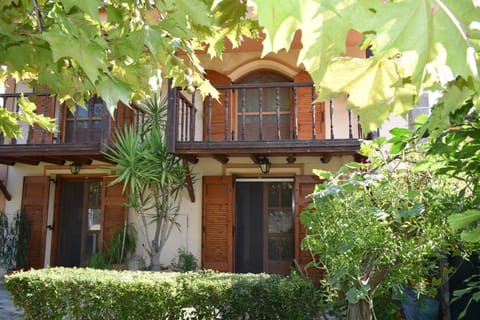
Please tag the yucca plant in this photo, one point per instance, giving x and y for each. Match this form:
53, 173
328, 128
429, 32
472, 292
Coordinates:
152, 177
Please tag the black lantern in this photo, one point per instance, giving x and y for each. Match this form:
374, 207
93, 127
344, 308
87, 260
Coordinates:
264, 164
75, 167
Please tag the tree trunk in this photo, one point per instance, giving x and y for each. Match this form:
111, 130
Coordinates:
362, 310
155, 261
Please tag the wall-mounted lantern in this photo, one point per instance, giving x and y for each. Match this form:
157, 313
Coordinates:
264, 164
75, 168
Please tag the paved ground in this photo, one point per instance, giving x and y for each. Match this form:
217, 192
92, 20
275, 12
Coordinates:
7, 310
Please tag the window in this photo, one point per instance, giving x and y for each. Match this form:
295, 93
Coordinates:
85, 125
263, 108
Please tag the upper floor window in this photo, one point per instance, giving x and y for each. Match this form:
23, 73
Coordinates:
85, 124
263, 110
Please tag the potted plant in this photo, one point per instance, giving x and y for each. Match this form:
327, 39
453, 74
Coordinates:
120, 248
185, 261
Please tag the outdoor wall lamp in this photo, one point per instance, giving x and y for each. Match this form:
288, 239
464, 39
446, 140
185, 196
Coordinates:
264, 164
75, 167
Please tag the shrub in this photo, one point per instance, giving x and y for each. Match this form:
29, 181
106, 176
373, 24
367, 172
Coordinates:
54, 293
184, 262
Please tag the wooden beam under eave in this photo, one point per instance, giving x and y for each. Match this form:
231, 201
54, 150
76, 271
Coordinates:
5, 192
223, 159
57, 161
32, 162
190, 158
7, 162
189, 180
81, 160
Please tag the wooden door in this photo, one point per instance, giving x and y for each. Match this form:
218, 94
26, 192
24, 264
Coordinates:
217, 225
78, 222
264, 239
304, 185
35, 203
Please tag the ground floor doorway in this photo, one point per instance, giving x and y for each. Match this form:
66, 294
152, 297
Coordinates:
78, 221
264, 226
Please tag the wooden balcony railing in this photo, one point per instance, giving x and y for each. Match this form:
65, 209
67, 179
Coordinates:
91, 126
280, 115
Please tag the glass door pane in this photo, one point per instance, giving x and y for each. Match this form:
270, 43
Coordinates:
79, 222
280, 227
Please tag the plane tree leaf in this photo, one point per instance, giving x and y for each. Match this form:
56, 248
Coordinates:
428, 28
464, 219
410, 39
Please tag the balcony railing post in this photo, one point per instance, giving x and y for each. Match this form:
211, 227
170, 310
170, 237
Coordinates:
171, 117
277, 102
244, 103
350, 130
193, 115
314, 122
295, 114
106, 129
260, 113
182, 118
332, 135
227, 102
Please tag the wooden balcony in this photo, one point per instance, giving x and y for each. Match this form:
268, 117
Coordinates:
275, 119
81, 137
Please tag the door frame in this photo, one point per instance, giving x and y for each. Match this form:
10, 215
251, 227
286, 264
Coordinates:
56, 208
277, 177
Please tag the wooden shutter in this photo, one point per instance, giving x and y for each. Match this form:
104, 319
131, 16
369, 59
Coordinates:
46, 106
114, 209
216, 119
217, 229
35, 203
304, 185
305, 114
124, 116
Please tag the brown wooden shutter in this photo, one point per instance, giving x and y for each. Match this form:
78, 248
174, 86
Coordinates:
114, 209
217, 237
35, 203
217, 118
124, 116
304, 105
46, 106
304, 185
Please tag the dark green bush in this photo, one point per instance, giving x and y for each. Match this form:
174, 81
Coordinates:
102, 294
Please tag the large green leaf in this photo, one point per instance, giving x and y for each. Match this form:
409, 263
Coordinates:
410, 40
112, 91
90, 7
471, 235
372, 88
464, 219
88, 54
279, 22
427, 28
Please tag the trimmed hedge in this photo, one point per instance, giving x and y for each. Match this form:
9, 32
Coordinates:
79, 293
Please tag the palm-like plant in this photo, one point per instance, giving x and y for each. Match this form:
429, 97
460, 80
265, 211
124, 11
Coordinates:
152, 177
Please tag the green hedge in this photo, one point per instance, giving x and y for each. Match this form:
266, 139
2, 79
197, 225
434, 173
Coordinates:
54, 293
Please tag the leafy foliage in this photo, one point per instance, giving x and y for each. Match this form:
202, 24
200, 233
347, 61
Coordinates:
378, 225
54, 293
122, 245
114, 49
185, 261
14, 237
411, 41
151, 175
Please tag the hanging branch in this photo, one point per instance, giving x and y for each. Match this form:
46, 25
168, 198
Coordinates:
41, 23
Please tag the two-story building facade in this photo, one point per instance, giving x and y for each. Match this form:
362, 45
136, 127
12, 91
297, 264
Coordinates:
251, 152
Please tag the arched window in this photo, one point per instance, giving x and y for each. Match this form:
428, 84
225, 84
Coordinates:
263, 107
